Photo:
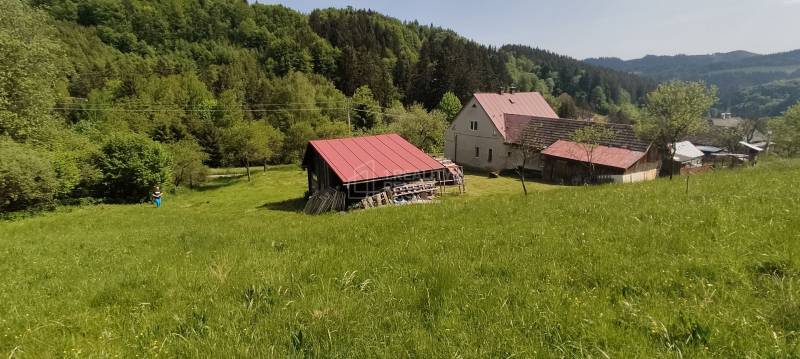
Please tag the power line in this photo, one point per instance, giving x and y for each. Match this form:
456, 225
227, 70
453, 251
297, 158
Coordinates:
117, 109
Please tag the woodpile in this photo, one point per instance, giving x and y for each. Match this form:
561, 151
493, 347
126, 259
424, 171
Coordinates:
326, 201
410, 193
378, 200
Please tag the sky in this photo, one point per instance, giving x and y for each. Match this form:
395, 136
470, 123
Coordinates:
593, 28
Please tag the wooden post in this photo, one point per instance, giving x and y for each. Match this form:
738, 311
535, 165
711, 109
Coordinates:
687, 184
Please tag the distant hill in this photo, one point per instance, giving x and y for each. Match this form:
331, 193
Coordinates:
747, 81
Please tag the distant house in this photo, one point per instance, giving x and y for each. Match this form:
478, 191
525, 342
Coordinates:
481, 136
363, 166
687, 155
688, 159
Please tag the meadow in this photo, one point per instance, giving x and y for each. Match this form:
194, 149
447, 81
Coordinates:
234, 270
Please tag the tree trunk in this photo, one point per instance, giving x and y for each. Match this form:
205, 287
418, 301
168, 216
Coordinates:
247, 165
521, 173
672, 162
265, 166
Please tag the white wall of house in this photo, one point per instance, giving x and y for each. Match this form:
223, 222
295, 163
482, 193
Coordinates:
471, 147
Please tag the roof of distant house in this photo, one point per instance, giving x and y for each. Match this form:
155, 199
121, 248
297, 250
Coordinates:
709, 149
601, 155
751, 146
686, 151
369, 158
497, 105
543, 132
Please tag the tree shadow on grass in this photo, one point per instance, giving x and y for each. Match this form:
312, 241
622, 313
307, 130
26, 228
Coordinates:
217, 183
290, 205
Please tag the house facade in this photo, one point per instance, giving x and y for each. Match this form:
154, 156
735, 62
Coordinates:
483, 137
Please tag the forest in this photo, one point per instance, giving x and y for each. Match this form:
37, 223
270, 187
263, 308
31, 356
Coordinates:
94, 94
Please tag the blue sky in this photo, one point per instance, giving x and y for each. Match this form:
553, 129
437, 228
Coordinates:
590, 28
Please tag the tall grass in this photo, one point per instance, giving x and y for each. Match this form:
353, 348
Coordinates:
638, 270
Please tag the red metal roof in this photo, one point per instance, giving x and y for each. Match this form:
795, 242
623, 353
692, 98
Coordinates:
602, 155
368, 158
498, 105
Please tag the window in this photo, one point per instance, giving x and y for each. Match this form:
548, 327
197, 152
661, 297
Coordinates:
473, 125
509, 154
490, 155
477, 152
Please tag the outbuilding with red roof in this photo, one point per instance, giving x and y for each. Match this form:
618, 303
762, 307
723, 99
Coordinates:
362, 166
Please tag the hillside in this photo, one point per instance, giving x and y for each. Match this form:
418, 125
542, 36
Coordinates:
233, 270
230, 52
746, 80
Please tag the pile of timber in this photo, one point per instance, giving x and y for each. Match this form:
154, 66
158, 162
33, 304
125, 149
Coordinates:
378, 200
326, 201
415, 192
423, 190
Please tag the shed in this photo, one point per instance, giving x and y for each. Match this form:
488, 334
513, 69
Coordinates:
568, 162
687, 153
363, 166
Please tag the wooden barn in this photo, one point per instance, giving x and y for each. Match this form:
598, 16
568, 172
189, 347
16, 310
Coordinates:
623, 158
568, 162
363, 166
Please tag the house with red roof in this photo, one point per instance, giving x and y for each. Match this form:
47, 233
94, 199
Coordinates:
492, 129
482, 135
363, 166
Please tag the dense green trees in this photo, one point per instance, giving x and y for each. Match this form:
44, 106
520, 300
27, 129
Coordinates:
131, 165
31, 72
27, 179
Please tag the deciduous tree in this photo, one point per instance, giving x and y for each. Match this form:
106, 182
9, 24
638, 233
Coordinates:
674, 111
589, 138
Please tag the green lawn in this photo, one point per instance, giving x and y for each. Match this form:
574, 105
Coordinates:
234, 270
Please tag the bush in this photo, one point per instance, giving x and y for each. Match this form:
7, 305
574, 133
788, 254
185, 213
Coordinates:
27, 179
130, 165
187, 165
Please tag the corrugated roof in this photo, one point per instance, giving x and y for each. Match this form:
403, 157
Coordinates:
368, 158
686, 151
602, 155
709, 149
497, 105
750, 146
543, 132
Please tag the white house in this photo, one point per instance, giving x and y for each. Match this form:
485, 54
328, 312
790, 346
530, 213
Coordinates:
482, 134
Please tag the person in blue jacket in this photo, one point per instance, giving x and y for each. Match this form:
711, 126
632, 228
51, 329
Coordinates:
157, 197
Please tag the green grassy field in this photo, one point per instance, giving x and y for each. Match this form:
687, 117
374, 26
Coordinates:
234, 271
